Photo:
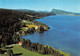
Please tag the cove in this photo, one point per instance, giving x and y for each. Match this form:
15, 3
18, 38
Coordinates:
64, 33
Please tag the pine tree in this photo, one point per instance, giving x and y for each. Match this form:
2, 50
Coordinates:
46, 48
32, 46
28, 43
43, 50
39, 46
23, 43
57, 53
36, 46
10, 52
61, 55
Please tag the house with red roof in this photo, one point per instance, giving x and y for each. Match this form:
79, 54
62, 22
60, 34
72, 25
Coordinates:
20, 43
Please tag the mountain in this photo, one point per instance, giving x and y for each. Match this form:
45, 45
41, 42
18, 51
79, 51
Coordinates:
27, 10
62, 12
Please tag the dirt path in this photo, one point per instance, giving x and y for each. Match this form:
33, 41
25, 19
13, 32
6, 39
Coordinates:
13, 45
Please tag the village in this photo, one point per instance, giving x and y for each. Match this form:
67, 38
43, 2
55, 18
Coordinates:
29, 24
31, 27
28, 27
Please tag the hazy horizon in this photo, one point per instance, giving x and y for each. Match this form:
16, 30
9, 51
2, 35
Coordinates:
42, 5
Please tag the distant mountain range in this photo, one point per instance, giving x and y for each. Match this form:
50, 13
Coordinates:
62, 12
56, 11
26, 10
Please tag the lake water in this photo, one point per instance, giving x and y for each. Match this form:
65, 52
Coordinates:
64, 33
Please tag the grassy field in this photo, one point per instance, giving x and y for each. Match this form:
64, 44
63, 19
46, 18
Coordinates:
25, 52
25, 21
28, 24
18, 50
32, 25
23, 28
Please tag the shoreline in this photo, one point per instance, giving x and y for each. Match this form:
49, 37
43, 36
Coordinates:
65, 54
53, 51
14, 27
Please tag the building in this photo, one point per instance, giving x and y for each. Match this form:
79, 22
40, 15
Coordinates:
27, 28
37, 27
24, 21
20, 43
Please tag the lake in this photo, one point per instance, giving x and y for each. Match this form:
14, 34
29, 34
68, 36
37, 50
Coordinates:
64, 33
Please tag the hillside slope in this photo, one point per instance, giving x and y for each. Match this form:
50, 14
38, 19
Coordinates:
10, 22
27, 10
62, 12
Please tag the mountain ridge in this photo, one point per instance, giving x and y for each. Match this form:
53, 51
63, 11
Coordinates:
63, 12
56, 11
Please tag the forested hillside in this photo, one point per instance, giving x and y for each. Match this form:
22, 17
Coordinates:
10, 22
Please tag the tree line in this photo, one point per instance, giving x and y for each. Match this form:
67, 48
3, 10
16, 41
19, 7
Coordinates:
10, 22
42, 49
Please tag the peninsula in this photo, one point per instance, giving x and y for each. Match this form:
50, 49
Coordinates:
14, 24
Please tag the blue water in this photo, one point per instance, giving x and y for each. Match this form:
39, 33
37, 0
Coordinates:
64, 33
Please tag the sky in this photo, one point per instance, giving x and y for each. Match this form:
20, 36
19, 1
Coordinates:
42, 5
